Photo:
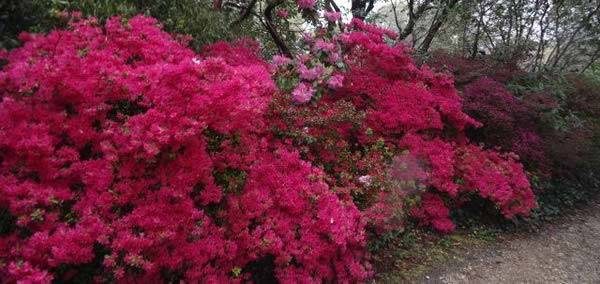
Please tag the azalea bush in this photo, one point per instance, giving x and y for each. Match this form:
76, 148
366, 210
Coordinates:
509, 122
548, 120
126, 156
469, 69
567, 107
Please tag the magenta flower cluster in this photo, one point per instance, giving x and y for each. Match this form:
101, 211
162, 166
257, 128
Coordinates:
125, 156
119, 143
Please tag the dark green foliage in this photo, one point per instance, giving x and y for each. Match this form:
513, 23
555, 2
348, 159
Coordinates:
197, 18
231, 180
7, 222
562, 193
569, 110
21, 15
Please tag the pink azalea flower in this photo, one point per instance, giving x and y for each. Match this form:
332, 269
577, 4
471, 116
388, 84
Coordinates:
280, 60
334, 57
308, 38
303, 93
283, 13
310, 74
306, 4
335, 81
333, 16
366, 180
324, 45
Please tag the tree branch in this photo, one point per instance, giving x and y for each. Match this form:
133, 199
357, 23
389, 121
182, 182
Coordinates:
570, 41
247, 11
398, 26
273, 31
437, 24
593, 59
361, 8
413, 16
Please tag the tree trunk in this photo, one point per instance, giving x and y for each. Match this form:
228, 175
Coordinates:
475, 46
361, 8
414, 16
437, 24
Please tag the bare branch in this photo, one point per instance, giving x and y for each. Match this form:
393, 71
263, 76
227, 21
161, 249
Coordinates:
593, 59
398, 26
570, 41
413, 16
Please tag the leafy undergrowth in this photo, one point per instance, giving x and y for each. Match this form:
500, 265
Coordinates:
407, 255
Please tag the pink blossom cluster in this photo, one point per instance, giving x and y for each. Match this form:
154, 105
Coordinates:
434, 212
125, 156
509, 122
499, 178
333, 16
313, 72
305, 4
283, 13
419, 111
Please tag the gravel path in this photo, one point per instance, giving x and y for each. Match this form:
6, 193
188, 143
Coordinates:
567, 251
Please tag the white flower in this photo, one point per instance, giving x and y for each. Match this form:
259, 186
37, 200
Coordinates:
366, 180
196, 60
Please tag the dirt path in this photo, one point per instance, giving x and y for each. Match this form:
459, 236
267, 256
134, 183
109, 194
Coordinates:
566, 251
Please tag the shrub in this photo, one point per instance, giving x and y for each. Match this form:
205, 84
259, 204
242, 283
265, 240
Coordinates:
467, 70
159, 158
395, 107
126, 156
508, 122
558, 114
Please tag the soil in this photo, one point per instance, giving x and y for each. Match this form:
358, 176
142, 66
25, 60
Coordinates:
566, 250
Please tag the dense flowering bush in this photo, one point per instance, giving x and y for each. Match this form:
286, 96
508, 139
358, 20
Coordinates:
509, 123
126, 156
466, 70
123, 151
423, 107
389, 109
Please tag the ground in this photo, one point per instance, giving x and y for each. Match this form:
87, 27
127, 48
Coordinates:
564, 251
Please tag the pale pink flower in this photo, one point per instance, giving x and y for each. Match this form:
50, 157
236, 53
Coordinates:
335, 81
366, 180
306, 4
324, 45
280, 60
334, 57
310, 74
333, 16
303, 93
